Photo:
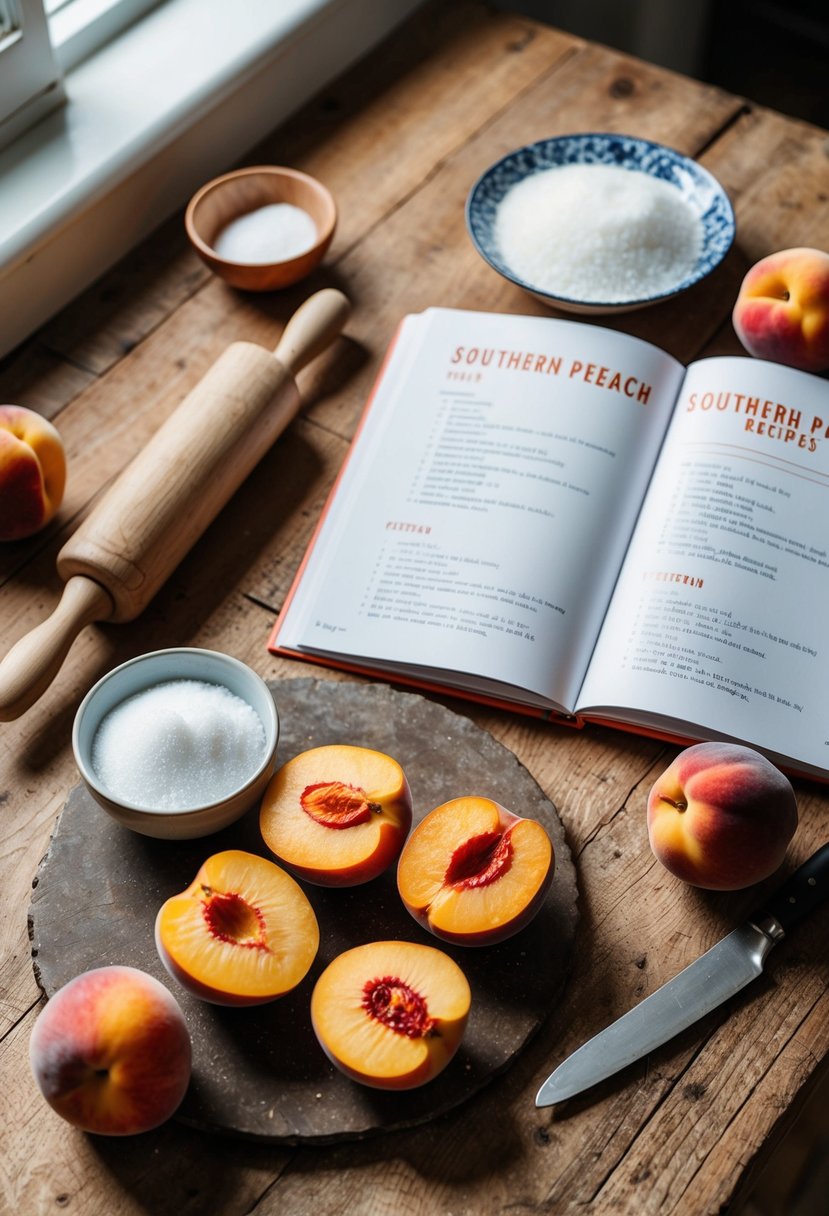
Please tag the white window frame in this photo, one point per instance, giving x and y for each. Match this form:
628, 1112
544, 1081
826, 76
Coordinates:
46, 39
80, 27
30, 78
82, 187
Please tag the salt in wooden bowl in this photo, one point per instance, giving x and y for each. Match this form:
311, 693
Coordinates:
236, 194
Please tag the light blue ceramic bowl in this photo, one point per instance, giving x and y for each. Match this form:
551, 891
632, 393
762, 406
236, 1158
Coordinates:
157, 667
702, 191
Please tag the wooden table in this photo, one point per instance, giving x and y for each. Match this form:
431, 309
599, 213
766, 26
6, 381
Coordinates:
399, 141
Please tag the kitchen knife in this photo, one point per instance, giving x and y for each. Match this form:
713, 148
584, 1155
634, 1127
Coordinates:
714, 977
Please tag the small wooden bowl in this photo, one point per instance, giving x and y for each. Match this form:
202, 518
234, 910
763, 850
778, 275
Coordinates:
235, 194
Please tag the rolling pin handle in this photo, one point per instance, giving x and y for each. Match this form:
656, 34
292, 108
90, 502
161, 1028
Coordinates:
33, 662
312, 328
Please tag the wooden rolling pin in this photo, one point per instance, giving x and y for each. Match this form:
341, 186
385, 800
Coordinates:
151, 516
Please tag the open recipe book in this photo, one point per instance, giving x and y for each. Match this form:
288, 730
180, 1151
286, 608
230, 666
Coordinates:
555, 517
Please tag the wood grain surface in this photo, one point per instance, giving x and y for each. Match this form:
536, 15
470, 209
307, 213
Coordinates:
399, 141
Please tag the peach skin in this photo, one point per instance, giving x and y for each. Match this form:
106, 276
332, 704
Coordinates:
111, 1052
782, 309
721, 816
32, 472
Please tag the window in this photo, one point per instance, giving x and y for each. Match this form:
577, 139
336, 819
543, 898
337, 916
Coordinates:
134, 141
42, 39
80, 27
30, 80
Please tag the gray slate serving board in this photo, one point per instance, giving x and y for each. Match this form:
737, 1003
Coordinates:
260, 1072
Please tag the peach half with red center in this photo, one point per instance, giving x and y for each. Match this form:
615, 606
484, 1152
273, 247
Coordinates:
337, 815
721, 816
391, 1014
474, 873
32, 472
242, 933
111, 1052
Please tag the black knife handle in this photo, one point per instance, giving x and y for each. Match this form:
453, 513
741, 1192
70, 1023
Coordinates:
800, 894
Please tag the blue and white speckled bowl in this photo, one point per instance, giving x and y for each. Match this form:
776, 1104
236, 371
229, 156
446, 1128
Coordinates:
702, 191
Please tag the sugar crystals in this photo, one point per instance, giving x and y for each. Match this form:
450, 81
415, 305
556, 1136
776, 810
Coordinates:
598, 233
276, 232
178, 744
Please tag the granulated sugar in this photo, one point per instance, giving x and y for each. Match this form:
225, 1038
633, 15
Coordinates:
598, 233
179, 744
274, 233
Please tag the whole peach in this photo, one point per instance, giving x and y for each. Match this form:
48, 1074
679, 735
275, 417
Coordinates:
32, 471
111, 1052
782, 309
721, 816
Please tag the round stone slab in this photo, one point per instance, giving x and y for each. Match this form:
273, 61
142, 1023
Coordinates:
259, 1072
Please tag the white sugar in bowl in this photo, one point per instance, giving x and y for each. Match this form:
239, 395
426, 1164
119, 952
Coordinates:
178, 743
598, 222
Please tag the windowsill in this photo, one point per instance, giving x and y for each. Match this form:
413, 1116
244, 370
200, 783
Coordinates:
133, 143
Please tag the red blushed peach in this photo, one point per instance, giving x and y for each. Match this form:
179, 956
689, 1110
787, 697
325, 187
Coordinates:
337, 815
474, 873
782, 310
111, 1052
241, 934
721, 816
32, 472
391, 1014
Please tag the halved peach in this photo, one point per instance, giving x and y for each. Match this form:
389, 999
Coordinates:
241, 934
391, 1014
337, 815
473, 873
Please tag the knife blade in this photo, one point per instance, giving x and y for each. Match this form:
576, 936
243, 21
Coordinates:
710, 980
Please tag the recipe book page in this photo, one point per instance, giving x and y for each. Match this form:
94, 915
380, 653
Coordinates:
479, 524
720, 615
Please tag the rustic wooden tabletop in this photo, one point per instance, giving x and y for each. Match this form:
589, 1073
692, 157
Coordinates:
399, 141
